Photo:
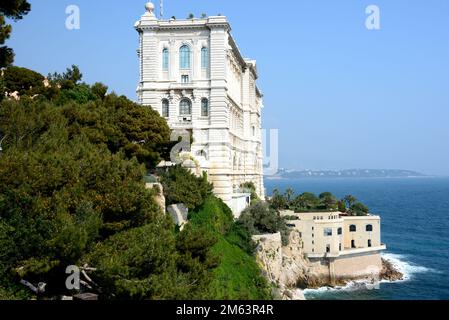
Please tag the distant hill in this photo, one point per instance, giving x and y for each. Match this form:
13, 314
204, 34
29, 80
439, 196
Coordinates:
348, 173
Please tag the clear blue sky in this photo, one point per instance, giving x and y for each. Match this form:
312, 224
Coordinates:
342, 96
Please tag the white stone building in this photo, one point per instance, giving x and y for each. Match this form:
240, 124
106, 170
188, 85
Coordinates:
193, 74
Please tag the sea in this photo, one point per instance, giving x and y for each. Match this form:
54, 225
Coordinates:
415, 228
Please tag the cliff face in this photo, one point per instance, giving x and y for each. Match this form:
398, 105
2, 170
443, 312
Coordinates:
289, 269
283, 266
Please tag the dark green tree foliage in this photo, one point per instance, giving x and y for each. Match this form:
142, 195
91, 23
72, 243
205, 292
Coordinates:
341, 206
22, 80
349, 200
68, 79
61, 195
306, 202
115, 121
260, 218
182, 186
13, 9
358, 209
328, 201
138, 263
278, 201
65, 189
99, 90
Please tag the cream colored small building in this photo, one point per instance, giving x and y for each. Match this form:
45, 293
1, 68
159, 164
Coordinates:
338, 245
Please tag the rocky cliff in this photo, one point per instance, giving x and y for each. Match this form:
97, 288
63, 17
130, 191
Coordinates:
283, 266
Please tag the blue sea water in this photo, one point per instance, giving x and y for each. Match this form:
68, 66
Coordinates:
415, 228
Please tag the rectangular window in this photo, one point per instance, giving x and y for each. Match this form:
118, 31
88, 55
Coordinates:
165, 59
327, 232
328, 248
339, 247
184, 57
204, 58
369, 243
184, 79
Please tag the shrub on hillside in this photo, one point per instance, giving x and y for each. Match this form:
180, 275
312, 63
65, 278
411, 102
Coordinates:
237, 275
259, 218
182, 186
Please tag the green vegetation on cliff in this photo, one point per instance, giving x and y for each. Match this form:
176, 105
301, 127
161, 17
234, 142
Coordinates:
72, 192
237, 275
309, 202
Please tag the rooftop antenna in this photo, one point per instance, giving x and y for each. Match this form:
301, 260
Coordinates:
161, 13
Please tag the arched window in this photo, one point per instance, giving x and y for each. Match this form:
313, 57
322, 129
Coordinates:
165, 108
184, 57
352, 228
185, 107
165, 59
204, 107
204, 58
369, 227
339, 231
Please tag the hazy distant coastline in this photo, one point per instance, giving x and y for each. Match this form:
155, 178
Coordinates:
347, 173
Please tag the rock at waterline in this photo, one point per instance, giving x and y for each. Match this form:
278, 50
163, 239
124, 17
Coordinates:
389, 272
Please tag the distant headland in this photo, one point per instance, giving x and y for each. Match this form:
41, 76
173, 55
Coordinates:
347, 173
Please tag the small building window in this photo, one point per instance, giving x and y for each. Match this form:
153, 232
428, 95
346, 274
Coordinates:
165, 108
339, 247
184, 57
369, 227
165, 59
327, 232
204, 58
353, 244
352, 228
328, 248
369, 243
184, 79
339, 231
204, 108
185, 107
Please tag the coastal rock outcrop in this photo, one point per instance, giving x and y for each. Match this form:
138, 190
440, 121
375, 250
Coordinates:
389, 272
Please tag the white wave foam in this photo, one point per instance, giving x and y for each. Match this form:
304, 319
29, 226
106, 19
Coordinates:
350, 286
403, 265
